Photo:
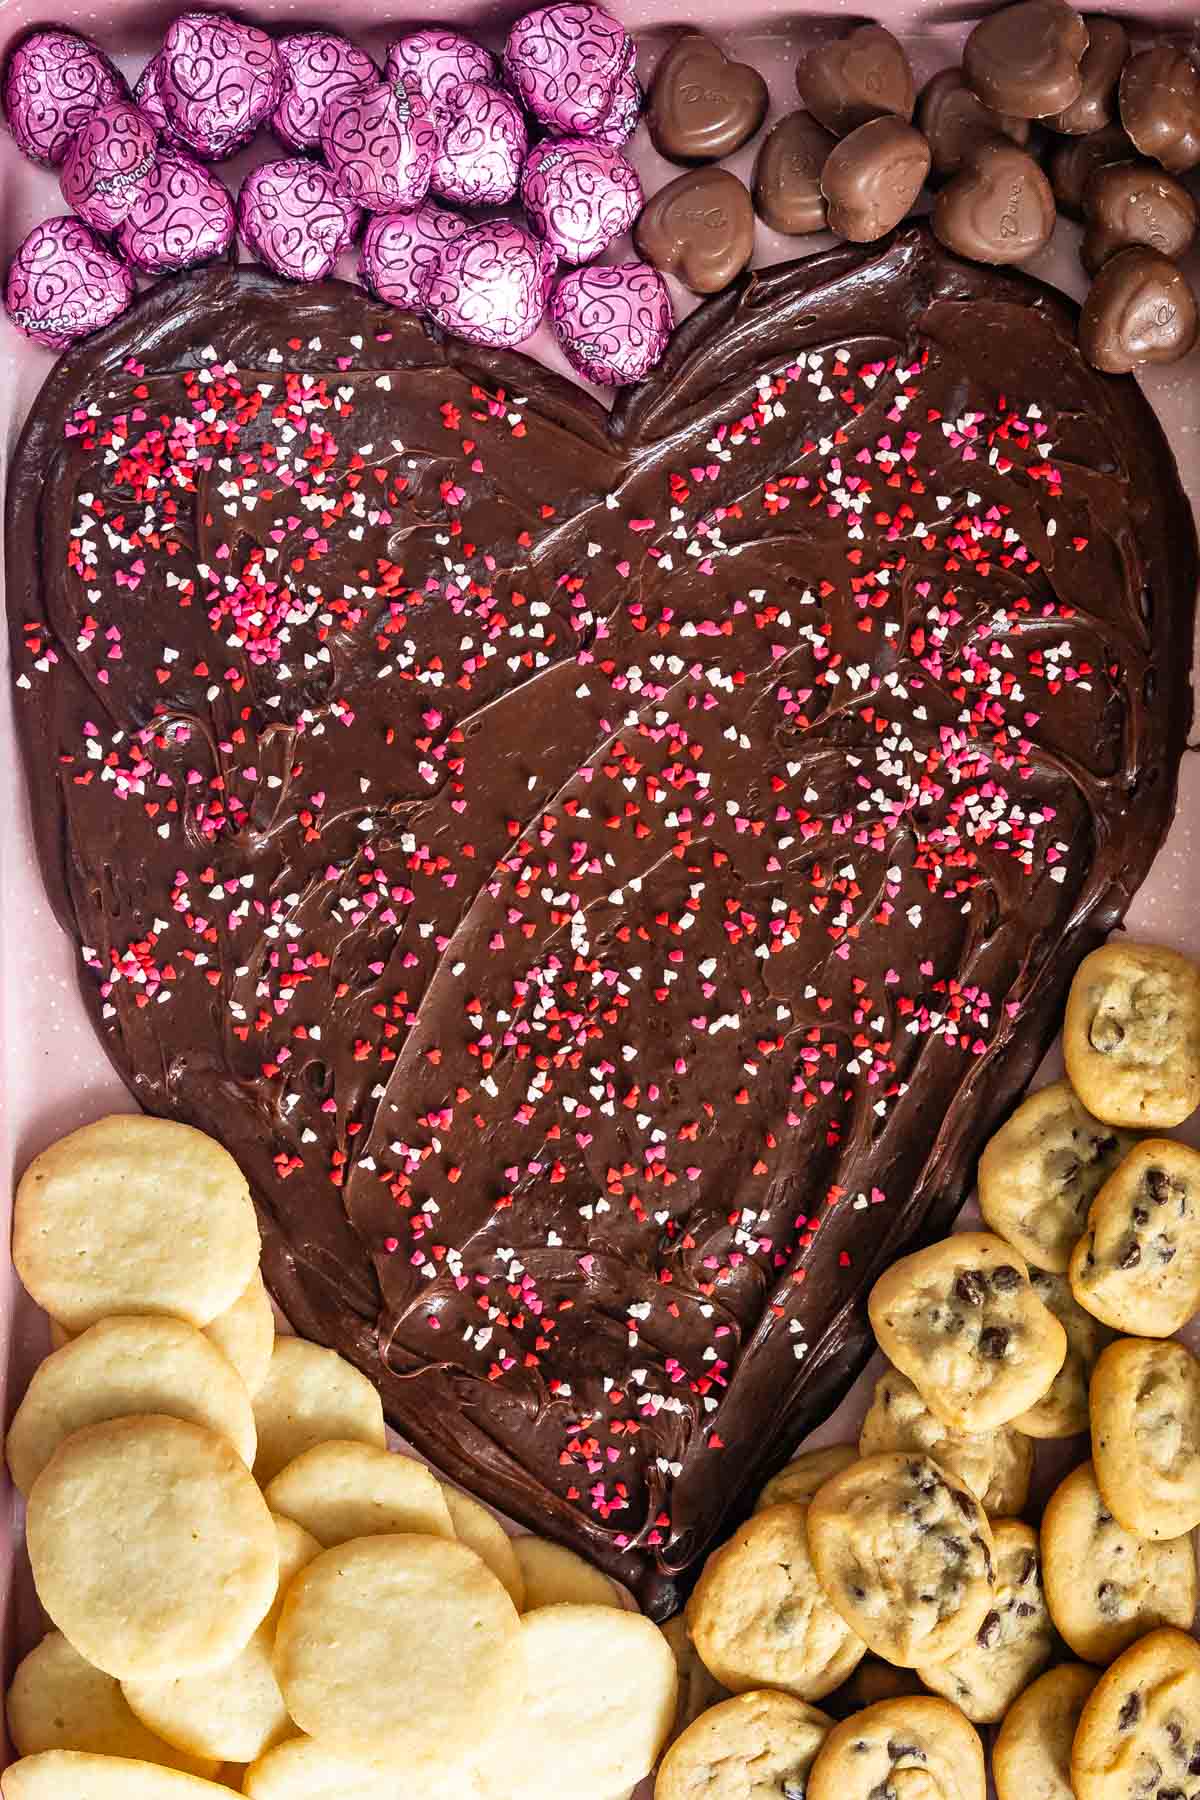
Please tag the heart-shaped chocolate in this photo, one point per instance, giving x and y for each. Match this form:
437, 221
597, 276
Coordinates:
872, 177
1160, 107
1099, 72
787, 175
1024, 59
999, 208
702, 106
1139, 310
602, 875
955, 121
1072, 163
861, 76
700, 227
1135, 203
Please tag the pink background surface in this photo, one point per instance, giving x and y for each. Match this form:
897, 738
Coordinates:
53, 1074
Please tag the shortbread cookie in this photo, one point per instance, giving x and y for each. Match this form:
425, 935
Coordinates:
1139, 1732
236, 1712
1014, 1643
757, 1746
58, 1701
1103, 1585
79, 1775
961, 1320
995, 1465
1137, 1265
1146, 1436
134, 1215
1131, 1037
311, 1395
555, 1576
799, 1480
759, 1618
1031, 1757
302, 1769
919, 1747
906, 1555
152, 1549
403, 1648
600, 1688
1038, 1175
697, 1690
483, 1533
245, 1333
123, 1366
1062, 1410
343, 1490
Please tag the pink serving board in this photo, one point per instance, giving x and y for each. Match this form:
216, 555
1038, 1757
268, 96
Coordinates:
53, 1074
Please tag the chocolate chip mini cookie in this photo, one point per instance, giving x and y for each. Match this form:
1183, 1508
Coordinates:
697, 1690
961, 1320
1105, 1586
799, 1480
1062, 1410
1031, 1758
1015, 1641
759, 1618
1131, 1039
995, 1465
757, 1746
920, 1747
906, 1555
1139, 1732
1146, 1435
1137, 1266
1038, 1175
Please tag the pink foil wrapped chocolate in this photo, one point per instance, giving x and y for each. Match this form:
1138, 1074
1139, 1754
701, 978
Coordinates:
53, 82
620, 121
566, 62
613, 321
438, 60
401, 249
64, 283
182, 216
148, 96
218, 79
108, 163
579, 196
484, 140
491, 284
317, 65
292, 218
380, 140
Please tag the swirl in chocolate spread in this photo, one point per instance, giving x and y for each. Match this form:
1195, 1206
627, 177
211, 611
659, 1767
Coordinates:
602, 877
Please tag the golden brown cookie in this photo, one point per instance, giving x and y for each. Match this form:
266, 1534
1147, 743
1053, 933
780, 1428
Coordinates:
799, 1480
1139, 1732
996, 1465
1014, 1643
1062, 1410
759, 1618
1031, 1757
757, 1746
923, 1748
1146, 1435
698, 1690
961, 1320
1104, 1586
1131, 1037
1137, 1265
906, 1555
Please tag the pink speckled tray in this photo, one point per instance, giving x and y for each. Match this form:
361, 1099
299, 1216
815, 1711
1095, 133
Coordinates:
54, 1074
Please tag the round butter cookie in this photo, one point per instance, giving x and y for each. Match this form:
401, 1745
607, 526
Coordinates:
311, 1395
245, 1333
80, 1775
134, 1215
555, 1576
152, 1549
483, 1533
341, 1490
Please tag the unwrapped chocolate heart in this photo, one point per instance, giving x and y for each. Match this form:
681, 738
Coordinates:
702, 105
1024, 59
999, 208
700, 227
857, 77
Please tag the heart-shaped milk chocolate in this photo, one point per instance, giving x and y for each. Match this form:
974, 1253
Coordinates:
861, 76
1135, 203
1139, 310
1160, 106
703, 106
602, 875
700, 227
1024, 59
999, 208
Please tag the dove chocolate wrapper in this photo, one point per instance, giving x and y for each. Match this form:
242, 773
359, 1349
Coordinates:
787, 175
437, 61
703, 106
1024, 59
1138, 310
218, 79
65, 283
292, 217
483, 139
872, 177
1072, 163
1135, 203
565, 63
400, 251
108, 163
491, 283
1160, 107
1099, 73
621, 120
578, 196
317, 66
955, 121
999, 208
858, 77
613, 321
380, 142
699, 228
182, 216
53, 82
